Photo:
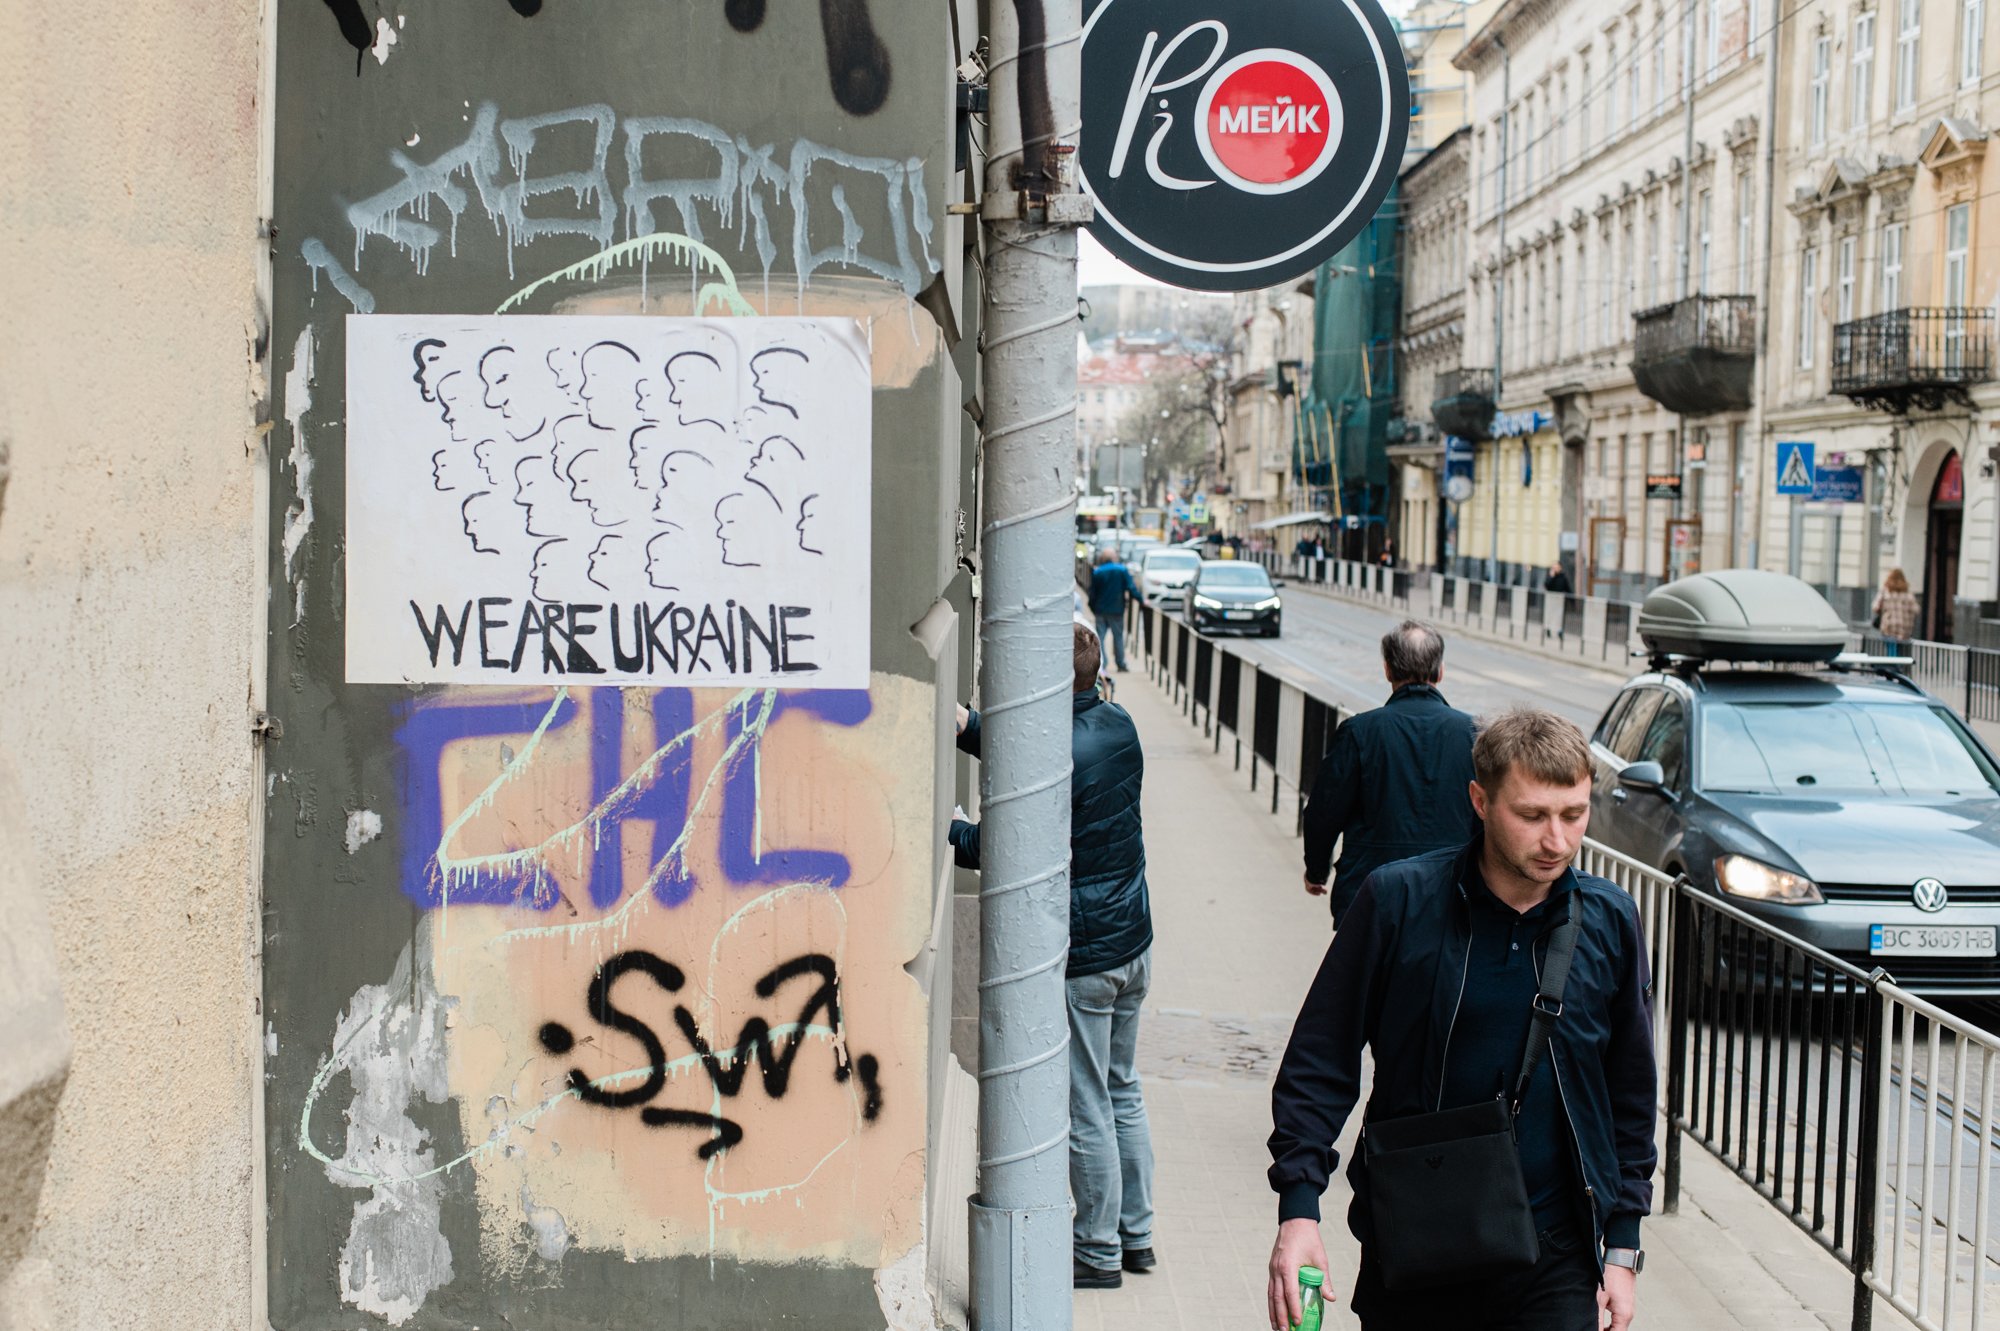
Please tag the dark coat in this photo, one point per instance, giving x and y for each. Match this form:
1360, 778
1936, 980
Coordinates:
1110, 584
1110, 917
1393, 785
1393, 982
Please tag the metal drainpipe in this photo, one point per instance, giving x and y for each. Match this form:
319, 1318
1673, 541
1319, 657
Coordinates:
1763, 376
1500, 300
1020, 1226
1687, 255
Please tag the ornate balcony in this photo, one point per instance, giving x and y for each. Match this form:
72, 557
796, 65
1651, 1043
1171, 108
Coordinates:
1464, 403
1907, 358
1696, 356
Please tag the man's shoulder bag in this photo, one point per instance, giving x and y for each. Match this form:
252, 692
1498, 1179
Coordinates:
1445, 1189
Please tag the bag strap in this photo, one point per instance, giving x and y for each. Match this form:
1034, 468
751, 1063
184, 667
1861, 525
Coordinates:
1547, 1005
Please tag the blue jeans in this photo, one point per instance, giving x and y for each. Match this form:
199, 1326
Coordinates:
1111, 629
1110, 1146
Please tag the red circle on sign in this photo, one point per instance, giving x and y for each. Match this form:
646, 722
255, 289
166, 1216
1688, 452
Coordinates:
1269, 122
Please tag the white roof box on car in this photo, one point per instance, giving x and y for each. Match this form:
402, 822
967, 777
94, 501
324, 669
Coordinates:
1741, 614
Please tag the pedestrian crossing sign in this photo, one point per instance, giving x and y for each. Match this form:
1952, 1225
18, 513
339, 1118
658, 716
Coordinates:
1795, 467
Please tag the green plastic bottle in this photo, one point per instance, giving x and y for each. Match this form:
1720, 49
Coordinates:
1310, 1279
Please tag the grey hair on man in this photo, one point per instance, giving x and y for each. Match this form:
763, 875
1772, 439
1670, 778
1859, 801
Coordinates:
1413, 653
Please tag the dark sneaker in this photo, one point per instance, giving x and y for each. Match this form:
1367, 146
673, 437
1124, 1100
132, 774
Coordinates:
1140, 1260
1093, 1277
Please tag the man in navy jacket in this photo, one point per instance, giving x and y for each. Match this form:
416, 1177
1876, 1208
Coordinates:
1110, 965
1434, 971
1394, 782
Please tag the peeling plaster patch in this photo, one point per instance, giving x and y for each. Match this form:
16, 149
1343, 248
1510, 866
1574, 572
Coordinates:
385, 37
391, 1043
363, 826
551, 1231
903, 1292
270, 1040
298, 401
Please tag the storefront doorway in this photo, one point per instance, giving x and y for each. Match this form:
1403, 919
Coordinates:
1941, 540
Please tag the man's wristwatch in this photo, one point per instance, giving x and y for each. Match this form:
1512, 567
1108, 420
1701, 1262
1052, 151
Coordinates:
1634, 1258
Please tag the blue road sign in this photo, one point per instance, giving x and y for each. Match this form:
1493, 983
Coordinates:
1837, 485
1795, 467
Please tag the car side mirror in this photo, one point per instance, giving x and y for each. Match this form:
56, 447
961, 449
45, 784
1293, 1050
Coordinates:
1647, 776
1277, 583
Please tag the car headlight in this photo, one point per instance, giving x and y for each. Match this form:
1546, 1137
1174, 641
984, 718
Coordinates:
1268, 603
1207, 602
1741, 876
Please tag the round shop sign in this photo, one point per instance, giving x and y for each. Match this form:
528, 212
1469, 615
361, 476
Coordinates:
1231, 147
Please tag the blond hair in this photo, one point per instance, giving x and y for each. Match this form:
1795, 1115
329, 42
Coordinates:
1895, 582
1543, 746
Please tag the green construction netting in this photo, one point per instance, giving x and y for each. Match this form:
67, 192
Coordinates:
1342, 433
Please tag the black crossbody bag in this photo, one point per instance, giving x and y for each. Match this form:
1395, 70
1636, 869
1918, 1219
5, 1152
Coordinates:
1445, 1189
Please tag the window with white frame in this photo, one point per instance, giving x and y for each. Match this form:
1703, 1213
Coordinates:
1583, 111
1541, 343
1561, 126
1652, 259
1971, 38
1611, 88
1659, 61
1703, 234
1628, 261
1711, 51
1808, 333
1632, 68
1822, 62
1861, 71
1528, 152
1556, 308
1601, 335
1843, 280
1752, 26
1892, 267
1957, 255
1746, 222
1909, 32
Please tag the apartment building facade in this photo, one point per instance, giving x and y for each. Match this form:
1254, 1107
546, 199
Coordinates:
1883, 277
1270, 349
1606, 382
1430, 345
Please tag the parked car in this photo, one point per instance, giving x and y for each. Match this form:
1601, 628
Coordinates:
1823, 793
1231, 596
1165, 573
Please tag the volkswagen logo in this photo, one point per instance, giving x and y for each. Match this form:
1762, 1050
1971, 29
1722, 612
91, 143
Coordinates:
1929, 894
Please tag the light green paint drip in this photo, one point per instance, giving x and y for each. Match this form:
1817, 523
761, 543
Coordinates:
724, 293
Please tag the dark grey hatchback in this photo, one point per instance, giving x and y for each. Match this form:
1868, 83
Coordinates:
1233, 596
1842, 804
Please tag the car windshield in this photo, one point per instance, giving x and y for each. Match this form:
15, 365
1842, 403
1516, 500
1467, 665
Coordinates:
1816, 748
1172, 561
1234, 575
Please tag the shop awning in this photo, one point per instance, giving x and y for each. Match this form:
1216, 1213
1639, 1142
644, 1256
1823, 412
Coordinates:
1290, 520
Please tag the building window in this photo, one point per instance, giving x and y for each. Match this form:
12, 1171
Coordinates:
1632, 81
1861, 72
1822, 60
1652, 259
1528, 156
1808, 305
1751, 34
1909, 28
1892, 267
1556, 303
1629, 258
1659, 62
1704, 221
1562, 126
1711, 55
1611, 93
1843, 280
1971, 37
1957, 253
1746, 221
1583, 113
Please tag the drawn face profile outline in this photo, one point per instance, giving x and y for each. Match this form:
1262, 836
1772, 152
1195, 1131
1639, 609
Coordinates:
450, 393
500, 370
659, 557
543, 575
480, 513
609, 390
687, 479
534, 479
427, 354
780, 371
736, 518
695, 387
603, 568
778, 469
806, 515
593, 482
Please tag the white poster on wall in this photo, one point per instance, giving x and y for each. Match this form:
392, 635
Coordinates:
607, 500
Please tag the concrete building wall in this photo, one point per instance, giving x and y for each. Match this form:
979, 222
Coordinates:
130, 607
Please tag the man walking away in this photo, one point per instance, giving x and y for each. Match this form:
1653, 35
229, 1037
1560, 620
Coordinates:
1110, 965
1436, 970
1394, 783
1110, 585
1557, 580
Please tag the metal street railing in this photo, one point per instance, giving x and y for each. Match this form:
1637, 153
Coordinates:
1863, 1113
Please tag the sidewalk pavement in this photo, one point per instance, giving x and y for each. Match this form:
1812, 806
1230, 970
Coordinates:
1236, 944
